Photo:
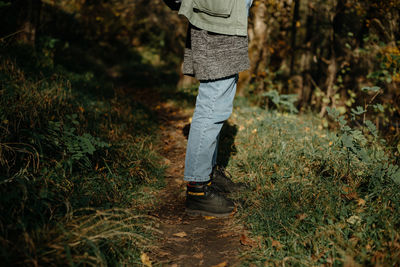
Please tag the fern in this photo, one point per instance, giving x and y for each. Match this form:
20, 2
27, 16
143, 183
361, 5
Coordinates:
365, 146
75, 149
282, 102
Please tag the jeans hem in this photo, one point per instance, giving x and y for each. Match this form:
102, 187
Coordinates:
196, 179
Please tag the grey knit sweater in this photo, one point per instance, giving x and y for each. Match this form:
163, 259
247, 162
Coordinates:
210, 56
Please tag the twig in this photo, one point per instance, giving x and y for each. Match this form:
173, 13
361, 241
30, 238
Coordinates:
369, 103
10, 35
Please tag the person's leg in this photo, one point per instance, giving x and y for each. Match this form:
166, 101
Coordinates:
213, 106
215, 154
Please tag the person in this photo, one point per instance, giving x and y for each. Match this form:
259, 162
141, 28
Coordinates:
216, 51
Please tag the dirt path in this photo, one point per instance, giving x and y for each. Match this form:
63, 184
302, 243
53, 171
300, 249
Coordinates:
186, 240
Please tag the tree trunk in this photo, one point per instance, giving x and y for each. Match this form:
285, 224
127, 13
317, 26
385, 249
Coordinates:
332, 68
330, 82
296, 20
258, 49
28, 19
306, 59
335, 54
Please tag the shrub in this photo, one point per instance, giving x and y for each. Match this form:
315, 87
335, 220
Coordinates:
71, 166
316, 196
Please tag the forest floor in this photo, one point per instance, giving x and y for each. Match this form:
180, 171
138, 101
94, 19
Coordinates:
186, 240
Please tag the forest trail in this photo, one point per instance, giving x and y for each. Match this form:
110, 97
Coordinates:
186, 240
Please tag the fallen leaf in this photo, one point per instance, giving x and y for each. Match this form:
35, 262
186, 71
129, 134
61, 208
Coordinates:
199, 255
354, 219
361, 202
222, 264
301, 216
228, 234
246, 241
180, 234
348, 193
145, 260
276, 244
209, 217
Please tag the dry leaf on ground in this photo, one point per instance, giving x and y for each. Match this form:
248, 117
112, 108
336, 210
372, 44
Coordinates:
348, 193
198, 255
301, 216
180, 234
276, 244
361, 202
246, 241
222, 264
145, 260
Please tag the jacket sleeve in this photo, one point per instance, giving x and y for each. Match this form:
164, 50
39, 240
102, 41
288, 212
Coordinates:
173, 4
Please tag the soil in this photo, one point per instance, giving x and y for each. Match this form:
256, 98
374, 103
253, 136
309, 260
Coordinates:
187, 240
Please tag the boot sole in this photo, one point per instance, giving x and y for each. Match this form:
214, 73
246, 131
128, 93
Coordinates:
207, 213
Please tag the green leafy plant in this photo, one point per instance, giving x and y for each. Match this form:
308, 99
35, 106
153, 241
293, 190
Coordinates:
365, 144
282, 102
74, 148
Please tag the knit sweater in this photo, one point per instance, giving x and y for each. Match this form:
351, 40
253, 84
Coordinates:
210, 56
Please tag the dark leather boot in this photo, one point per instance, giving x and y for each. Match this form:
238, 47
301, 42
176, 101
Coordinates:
223, 183
205, 200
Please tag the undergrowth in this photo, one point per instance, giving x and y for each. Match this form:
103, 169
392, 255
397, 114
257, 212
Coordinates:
316, 196
77, 171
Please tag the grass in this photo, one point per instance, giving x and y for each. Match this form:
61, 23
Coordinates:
312, 202
78, 169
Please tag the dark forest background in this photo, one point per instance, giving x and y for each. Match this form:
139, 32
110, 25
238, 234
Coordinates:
323, 51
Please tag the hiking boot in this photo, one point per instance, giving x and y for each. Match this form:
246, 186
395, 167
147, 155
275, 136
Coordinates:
205, 200
222, 181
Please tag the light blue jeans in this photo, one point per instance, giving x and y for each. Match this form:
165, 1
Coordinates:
214, 105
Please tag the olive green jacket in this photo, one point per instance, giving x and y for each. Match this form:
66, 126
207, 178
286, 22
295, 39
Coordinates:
219, 16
